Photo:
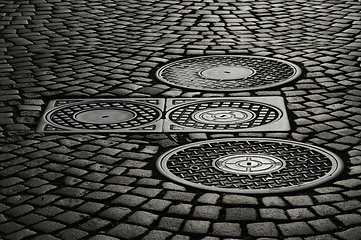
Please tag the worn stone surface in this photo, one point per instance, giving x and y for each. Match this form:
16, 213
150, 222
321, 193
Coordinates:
106, 186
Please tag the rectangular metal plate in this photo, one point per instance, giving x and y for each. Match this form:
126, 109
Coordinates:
129, 115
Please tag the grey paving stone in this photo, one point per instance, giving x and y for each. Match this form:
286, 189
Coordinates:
239, 200
90, 207
21, 234
273, 213
173, 186
325, 198
102, 237
273, 201
323, 225
31, 219
127, 231
207, 212
157, 235
210, 238
295, 229
9, 227
180, 209
180, 237
129, 200
48, 226
71, 233
179, 196
348, 205
121, 180
71, 192
99, 195
325, 210
142, 218
300, 213
321, 237
156, 205
299, 201
115, 213
210, 198
262, 229
94, 224
68, 202
170, 223
225, 229
349, 183
241, 214
49, 211
196, 226
349, 234
19, 210
45, 237
349, 219
70, 217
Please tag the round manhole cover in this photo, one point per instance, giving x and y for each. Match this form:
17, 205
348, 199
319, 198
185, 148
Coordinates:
224, 114
104, 115
250, 165
228, 73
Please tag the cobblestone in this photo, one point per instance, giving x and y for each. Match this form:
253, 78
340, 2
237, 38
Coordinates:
296, 229
196, 226
105, 186
266, 229
352, 233
226, 229
207, 212
171, 224
241, 214
127, 231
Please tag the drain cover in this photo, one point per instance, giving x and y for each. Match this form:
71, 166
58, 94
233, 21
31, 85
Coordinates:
165, 115
103, 115
228, 73
250, 165
243, 114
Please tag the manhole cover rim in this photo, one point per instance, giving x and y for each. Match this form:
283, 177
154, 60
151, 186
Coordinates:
296, 68
337, 168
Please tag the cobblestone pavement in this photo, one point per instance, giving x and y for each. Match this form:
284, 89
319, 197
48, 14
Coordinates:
105, 186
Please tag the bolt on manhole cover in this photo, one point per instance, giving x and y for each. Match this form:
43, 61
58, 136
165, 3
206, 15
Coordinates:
242, 114
228, 73
250, 165
103, 115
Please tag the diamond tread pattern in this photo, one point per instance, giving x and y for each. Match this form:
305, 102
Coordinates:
268, 72
264, 114
304, 165
144, 114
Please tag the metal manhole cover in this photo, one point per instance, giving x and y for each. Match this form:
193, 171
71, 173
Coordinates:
228, 73
242, 114
103, 115
250, 165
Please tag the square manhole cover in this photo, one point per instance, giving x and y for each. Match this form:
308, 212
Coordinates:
242, 114
103, 116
